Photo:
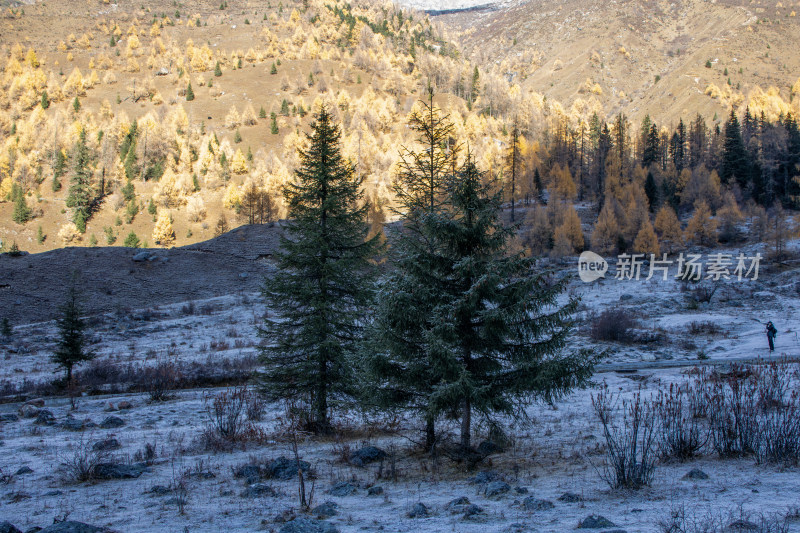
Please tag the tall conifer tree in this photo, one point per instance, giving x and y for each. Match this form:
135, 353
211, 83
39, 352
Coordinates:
322, 288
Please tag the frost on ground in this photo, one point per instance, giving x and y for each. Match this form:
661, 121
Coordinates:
163, 477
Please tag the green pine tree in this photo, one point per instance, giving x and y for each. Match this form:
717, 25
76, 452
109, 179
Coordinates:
217, 70
322, 288
262, 113
5, 328
72, 348
40, 236
81, 194
45, 102
273, 69
76, 105
22, 213
285, 108
189, 92
237, 137
401, 355
132, 241
274, 124
735, 160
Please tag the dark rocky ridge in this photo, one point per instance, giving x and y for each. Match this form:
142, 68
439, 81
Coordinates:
32, 287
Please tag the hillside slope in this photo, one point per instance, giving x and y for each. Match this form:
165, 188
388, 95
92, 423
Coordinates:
640, 56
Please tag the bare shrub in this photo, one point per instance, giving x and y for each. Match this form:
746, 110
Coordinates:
226, 413
161, 380
79, 463
733, 409
779, 434
615, 325
630, 452
680, 521
679, 412
256, 406
703, 328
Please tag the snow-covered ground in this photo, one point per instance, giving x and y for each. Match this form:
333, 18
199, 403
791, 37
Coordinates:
558, 451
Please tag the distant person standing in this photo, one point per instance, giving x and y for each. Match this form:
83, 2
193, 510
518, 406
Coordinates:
771, 332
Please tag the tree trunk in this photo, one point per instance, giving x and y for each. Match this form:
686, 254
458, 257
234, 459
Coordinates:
321, 401
466, 423
430, 434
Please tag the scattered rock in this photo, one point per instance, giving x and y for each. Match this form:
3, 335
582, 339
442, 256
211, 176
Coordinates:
326, 510
521, 490
625, 297
485, 476
366, 455
458, 505
28, 411
71, 527
473, 512
418, 511
124, 405
8, 527
342, 488
160, 490
52, 493
36, 402
163, 71
495, 489
45, 418
695, 474
287, 515
118, 471
141, 257
16, 497
285, 469
106, 445
259, 490
9, 417
110, 408
73, 424
534, 504
250, 472
595, 522
24, 470
111, 422
301, 524
377, 490
570, 497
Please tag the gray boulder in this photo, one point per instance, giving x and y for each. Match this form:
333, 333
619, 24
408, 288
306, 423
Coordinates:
485, 476
342, 488
595, 522
9, 417
474, 512
570, 497
285, 469
326, 510
28, 411
366, 455
259, 490
250, 472
118, 471
418, 511
106, 445
534, 504
45, 417
496, 489
24, 470
73, 424
458, 505
71, 527
112, 422
301, 524
695, 474
8, 527
377, 490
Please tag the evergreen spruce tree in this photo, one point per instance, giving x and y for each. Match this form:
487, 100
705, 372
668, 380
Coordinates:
322, 288
189, 92
81, 194
22, 213
45, 102
132, 240
5, 328
400, 355
72, 346
274, 124
735, 162
500, 332
514, 165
